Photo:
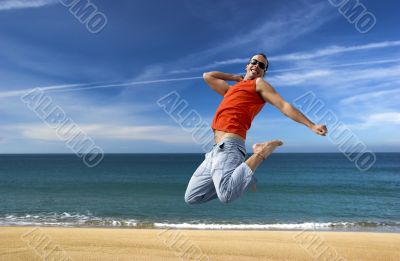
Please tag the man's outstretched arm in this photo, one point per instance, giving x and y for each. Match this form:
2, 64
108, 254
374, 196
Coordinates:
269, 94
217, 81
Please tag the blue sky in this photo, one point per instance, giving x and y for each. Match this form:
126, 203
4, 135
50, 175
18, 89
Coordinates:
103, 81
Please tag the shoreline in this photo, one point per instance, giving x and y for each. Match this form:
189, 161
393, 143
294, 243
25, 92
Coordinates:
308, 226
93, 243
203, 229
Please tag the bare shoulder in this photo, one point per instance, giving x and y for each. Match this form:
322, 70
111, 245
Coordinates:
263, 85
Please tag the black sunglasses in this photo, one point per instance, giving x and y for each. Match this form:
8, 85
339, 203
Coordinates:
260, 64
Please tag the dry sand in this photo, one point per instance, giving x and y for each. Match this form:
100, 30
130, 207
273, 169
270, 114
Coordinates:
49, 243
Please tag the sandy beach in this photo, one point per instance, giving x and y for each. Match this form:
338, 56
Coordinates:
50, 243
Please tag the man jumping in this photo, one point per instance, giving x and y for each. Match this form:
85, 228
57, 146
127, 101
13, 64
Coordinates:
224, 173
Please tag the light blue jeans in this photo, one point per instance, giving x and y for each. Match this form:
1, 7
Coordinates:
222, 174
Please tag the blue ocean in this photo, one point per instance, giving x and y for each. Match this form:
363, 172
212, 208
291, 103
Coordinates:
320, 191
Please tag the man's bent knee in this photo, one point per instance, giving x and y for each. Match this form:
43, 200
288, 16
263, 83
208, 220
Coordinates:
191, 200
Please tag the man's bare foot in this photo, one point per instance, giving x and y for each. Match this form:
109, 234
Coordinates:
265, 149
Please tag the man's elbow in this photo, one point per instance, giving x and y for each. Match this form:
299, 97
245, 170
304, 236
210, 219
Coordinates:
207, 75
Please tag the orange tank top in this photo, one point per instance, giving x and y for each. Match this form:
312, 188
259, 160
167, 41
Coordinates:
241, 103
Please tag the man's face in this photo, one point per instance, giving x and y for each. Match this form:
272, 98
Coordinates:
254, 71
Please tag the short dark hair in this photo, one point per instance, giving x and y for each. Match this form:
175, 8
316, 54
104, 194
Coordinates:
263, 55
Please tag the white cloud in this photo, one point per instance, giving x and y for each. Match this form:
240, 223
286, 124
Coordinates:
340, 79
331, 65
374, 110
332, 50
20, 4
388, 117
89, 86
370, 96
299, 78
158, 133
21, 92
301, 56
377, 121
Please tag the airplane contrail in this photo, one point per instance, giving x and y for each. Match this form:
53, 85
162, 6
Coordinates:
89, 86
124, 84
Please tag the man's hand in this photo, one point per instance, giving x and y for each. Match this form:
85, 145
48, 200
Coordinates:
319, 129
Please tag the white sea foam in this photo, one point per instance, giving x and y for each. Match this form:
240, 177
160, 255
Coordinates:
89, 220
365, 225
253, 226
64, 219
